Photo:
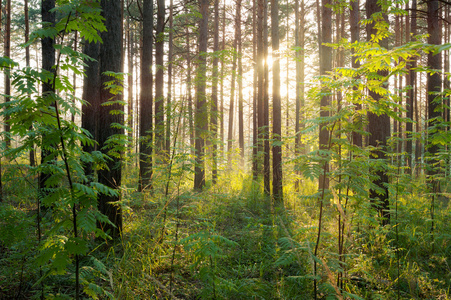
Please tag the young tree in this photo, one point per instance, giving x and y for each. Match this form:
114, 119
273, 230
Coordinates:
146, 99
378, 124
277, 109
201, 107
110, 114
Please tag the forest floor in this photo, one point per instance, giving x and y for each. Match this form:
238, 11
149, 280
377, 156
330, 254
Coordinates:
229, 243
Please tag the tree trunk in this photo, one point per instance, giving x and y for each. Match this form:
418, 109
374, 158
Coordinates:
159, 81
232, 88
325, 67
131, 48
201, 106
379, 128
433, 85
240, 85
190, 97
146, 100
267, 149
214, 93
48, 61
7, 48
169, 100
255, 100
277, 109
411, 97
260, 78
110, 60
222, 75
354, 19
27, 63
91, 94
74, 79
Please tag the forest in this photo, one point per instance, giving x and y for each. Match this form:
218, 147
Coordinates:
225, 149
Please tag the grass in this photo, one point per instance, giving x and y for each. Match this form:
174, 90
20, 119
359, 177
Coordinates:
226, 243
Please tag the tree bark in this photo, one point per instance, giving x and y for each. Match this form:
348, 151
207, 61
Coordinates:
354, 19
379, 127
214, 93
169, 100
277, 109
267, 148
240, 85
146, 100
201, 106
27, 63
91, 94
189, 86
131, 48
7, 53
110, 60
159, 81
433, 85
325, 67
233, 83
48, 61
255, 100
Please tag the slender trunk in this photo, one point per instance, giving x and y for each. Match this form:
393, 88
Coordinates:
409, 98
355, 38
413, 79
131, 50
232, 88
221, 112
74, 79
214, 93
267, 150
240, 84
260, 79
255, 127
169, 100
325, 67
159, 81
27, 63
7, 53
189, 87
277, 109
